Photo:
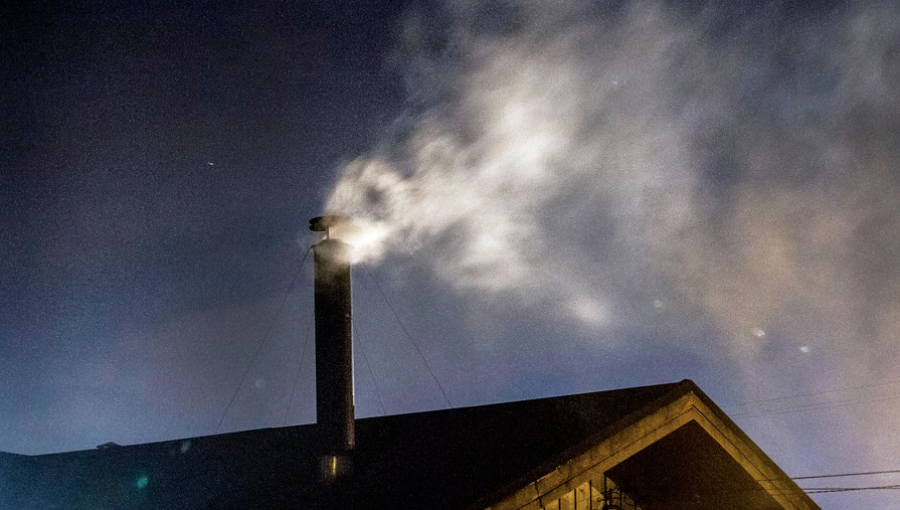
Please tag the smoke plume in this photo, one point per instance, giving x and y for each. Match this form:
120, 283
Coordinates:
720, 178
597, 160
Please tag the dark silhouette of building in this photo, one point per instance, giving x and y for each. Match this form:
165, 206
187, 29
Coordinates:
655, 447
649, 448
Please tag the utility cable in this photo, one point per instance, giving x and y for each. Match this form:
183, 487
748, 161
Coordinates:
815, 393
265, 338
847, 400
826, 490
287, 411
817, 406
362, 350
750, 403
413, 342
840, 475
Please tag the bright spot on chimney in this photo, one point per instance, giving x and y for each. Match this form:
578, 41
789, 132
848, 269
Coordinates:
804, 349
366, 238
142, 482
758, 333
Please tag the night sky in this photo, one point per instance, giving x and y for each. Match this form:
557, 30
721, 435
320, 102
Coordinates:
552, 198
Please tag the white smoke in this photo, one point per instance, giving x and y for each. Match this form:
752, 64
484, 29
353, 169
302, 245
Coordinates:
585, 141
556, 123
650, 169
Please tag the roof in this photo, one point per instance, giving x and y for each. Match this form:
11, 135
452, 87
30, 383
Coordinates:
449, 459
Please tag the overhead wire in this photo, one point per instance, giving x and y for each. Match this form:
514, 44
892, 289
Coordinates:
816, 393
783, 490
826, 490
841, 401
765, 485
816, 406
841, 475
408, 336
299, 366
365, 358
263, 341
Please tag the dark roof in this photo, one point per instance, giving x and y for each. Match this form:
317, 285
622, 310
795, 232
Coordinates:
448, 459
439, 459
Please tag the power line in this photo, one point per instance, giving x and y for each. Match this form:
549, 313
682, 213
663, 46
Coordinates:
413, 342
817, 406
826, 490
362, 351
297, 374
262, 342
840, 401
816, 393
840, 475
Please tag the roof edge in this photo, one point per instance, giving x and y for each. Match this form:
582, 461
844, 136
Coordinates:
679, 389
749, 443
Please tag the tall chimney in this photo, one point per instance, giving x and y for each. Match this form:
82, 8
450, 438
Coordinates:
334, 345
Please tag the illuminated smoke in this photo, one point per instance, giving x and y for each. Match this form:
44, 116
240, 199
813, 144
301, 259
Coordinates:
651, 168
723, 182
539, 131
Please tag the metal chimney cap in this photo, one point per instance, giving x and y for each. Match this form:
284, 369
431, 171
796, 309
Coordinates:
323, 223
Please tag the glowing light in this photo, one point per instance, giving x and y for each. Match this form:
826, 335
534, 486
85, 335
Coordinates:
758, 333
365, 238
804, 349
334, 465
142, 482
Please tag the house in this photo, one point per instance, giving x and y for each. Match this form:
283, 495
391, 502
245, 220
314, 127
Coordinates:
653, 447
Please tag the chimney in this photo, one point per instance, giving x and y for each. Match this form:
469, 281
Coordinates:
334, 347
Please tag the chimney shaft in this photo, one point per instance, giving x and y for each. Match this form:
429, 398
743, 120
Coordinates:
334, 346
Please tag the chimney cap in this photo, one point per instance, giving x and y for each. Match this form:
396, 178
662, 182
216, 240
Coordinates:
323, 223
